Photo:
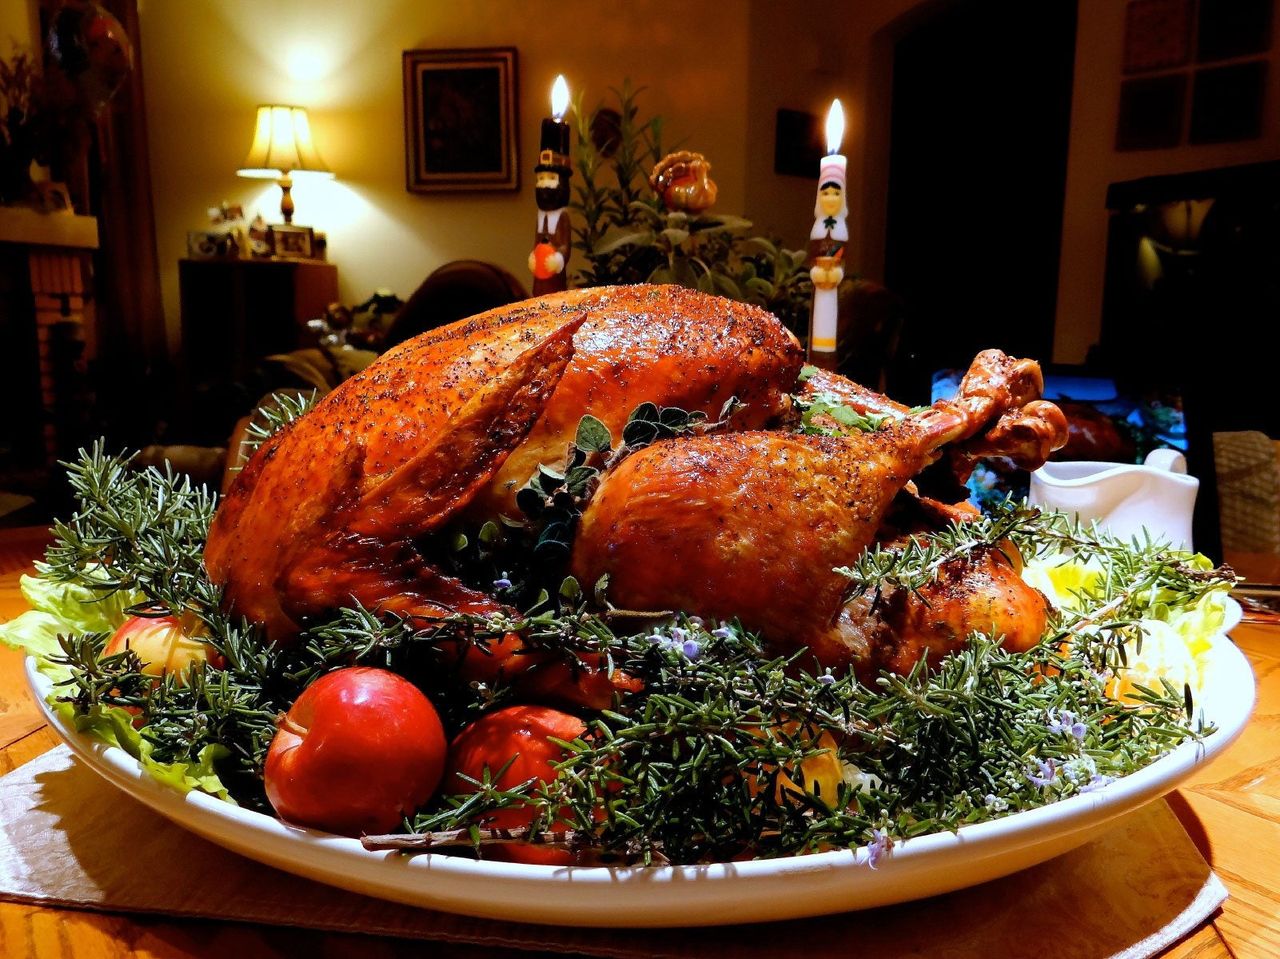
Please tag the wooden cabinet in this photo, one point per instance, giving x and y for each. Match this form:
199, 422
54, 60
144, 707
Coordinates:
234, 313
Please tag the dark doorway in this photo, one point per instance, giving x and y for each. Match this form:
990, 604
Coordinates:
980, 122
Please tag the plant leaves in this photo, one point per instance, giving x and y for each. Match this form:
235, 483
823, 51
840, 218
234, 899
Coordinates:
645, 413
617, 237
683, 272
593, 435
726, 286
530, 502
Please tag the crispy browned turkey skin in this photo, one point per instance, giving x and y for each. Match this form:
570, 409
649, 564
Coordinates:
461, 417
755, 524
749, 521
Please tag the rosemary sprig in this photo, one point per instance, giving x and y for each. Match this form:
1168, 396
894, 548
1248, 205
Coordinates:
716, 756
916, 563
271, 417
133, 530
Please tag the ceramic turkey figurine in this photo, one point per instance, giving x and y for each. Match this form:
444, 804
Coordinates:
683, 183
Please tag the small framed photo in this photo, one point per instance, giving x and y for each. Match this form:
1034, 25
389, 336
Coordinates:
291, 242
202, 245
460, 120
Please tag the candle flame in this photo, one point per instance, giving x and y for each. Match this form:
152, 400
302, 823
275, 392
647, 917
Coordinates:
559, 98
835, 127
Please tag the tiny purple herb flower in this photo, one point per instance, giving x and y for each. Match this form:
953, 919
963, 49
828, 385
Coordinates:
691, 648
1045, 773
1065, 723
722, 632
502, 582
880, 846
827, 679
1097, 782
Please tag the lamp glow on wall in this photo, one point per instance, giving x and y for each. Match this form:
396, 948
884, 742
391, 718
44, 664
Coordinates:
283, 146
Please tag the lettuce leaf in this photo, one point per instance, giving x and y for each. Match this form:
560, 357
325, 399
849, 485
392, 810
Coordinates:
114, 725
1176, 638
65, 609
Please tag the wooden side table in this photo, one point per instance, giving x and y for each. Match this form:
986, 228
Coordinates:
234, 313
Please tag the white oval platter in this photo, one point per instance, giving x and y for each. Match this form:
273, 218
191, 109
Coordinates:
685, 895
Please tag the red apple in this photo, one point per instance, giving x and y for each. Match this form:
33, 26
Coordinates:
360, 749
165, 644
491, 741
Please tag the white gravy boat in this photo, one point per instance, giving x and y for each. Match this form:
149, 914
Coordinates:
1157, 496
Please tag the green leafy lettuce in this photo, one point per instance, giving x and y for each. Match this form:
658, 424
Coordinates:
65, 609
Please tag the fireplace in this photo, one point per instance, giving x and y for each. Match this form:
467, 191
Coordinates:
46, 328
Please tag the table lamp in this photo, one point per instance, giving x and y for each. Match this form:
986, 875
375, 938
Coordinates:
282, 146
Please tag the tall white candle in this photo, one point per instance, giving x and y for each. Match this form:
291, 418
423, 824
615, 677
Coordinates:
827, 238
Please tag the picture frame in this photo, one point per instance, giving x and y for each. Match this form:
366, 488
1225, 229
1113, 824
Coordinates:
291, 242
1157, 35
215, 244
461, 120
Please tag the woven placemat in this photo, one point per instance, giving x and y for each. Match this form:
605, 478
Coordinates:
68, 838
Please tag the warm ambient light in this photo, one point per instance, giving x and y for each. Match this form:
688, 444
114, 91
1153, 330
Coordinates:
835, 127
282, 146
559, 98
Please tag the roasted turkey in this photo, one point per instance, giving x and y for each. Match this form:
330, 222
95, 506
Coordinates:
747, 520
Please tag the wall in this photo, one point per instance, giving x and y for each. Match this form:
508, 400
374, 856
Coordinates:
852, 54
19, 23
798, 61
208, 63
716, 71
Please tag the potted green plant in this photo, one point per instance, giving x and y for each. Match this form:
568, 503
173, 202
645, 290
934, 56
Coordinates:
626, 235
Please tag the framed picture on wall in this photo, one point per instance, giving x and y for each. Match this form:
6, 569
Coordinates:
461, 120
291, 242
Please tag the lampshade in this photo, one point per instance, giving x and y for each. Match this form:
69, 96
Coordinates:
282, 144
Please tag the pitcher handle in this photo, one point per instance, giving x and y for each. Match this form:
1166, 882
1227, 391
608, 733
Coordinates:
1166, 459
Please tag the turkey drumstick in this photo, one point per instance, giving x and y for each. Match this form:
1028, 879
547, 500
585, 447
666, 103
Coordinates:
754, 524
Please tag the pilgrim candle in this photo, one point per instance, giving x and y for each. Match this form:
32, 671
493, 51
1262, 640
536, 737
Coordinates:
550, 255
555, 132
827, 240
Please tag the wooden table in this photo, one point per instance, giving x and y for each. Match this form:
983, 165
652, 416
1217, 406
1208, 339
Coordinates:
1230, 809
